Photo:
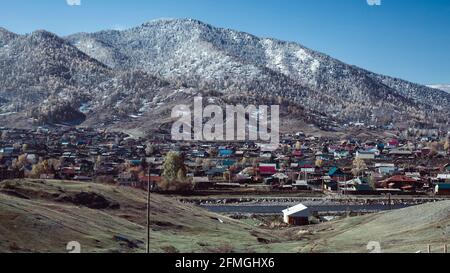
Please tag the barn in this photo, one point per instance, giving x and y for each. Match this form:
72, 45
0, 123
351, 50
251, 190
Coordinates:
297, 215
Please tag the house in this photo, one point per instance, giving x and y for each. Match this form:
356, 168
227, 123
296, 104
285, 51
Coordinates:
243, 178
154, 180
442, 189
126, 179
399, 182
363, 189
267, 148
266, 155
413, 175
225, 152
400, 152
341, 154
301, 185
356, 186
135, 162
215, 172
324, 156
267, 169
202, 183
228, 163
7, 151
385, 168
337, 174
307, 168
393, 143
365, 155
445, 178
199, 154
330, 185
446, 168
297, 215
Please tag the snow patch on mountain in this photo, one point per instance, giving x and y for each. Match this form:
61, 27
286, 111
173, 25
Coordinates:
443, 87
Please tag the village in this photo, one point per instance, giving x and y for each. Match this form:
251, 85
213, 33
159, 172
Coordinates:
402, 165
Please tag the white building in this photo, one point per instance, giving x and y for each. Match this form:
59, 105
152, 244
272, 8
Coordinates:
365, 155
297, 215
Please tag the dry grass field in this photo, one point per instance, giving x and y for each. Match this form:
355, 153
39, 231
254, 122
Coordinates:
44, 215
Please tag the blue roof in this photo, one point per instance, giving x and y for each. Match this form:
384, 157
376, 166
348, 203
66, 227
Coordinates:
225, 152
228, 162
135, 162
444, 186
7, 150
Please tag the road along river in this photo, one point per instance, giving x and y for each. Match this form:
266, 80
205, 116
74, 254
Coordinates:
277, 209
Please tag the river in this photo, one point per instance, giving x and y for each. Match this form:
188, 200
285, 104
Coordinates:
277, 209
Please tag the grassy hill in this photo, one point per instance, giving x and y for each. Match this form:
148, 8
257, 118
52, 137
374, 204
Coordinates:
43, 216
400, 231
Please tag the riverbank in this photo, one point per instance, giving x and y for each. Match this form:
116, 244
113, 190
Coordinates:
325, 200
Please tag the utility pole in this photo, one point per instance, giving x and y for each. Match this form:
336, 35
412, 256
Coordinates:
148, 211
389, 200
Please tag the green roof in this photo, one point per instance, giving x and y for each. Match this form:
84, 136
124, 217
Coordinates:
444, 186
335, 171
364, 187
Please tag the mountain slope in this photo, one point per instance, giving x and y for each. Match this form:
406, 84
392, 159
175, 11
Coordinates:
36, 67
6, 36
234, 62
44, 75
133, 77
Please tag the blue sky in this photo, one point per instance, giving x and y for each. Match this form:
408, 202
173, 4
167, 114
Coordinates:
409, 39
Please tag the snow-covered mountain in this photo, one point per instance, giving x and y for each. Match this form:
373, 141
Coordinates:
444, 87
182, 57
49, 79
203, 56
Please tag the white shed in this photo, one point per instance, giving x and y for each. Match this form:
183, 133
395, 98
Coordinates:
296, 215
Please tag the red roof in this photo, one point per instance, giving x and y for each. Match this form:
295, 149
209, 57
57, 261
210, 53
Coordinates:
267, 170
400, 178
394, 142
153, 179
